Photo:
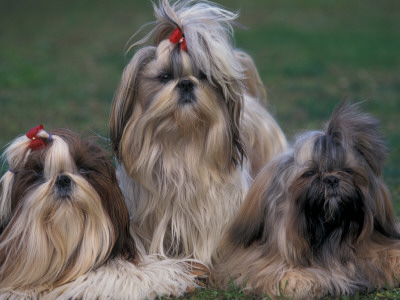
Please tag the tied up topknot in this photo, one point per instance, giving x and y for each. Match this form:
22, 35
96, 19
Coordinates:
178, 37
36, 142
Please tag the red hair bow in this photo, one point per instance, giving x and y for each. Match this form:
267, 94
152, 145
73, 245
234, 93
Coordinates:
36, 143
178, 37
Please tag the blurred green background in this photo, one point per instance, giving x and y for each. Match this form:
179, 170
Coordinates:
61, 61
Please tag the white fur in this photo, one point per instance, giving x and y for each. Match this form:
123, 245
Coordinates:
119, 279
203, 208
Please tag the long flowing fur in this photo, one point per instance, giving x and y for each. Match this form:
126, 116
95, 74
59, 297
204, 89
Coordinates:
117, 279
149, 279
318, 220
186, 155
66, 230
49, 240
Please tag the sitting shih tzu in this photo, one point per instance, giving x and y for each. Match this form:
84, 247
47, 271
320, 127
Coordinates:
187, 131
65, 229
318, 219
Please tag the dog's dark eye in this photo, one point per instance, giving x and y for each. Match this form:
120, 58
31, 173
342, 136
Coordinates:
84, 171
31, 176
34, 170
165, 77
308, 174
348, 171
202, 76
37, 175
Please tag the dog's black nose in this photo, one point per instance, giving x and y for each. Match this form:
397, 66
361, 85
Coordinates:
331, 180
63, 181
186, 86
63, 186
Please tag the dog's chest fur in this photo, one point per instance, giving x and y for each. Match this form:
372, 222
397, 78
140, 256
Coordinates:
184, 213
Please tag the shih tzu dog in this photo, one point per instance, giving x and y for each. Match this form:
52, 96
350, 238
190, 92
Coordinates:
188, 131
318, 219
65, 229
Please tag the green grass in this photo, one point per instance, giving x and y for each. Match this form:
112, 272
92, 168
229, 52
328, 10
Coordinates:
60, 62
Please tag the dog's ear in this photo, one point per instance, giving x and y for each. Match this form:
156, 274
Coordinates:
360, 131
234, 105
252, 223
124, 244
252, 82
124, 98
6, 183
112, 201
384, 217
248, 225
14, 155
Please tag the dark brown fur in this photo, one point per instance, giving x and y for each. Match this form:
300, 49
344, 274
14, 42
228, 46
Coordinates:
318, 216
93, 162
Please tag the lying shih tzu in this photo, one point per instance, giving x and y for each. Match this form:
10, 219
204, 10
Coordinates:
187, 130
318, 219
65, 229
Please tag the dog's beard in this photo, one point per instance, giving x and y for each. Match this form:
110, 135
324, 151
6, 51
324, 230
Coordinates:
332, 215
167, 113
51, 240
197, 133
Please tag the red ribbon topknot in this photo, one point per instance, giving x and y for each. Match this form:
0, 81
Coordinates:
36, 143
178, 37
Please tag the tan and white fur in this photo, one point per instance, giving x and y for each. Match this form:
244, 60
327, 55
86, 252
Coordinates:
318, 219
65, 229
187, 131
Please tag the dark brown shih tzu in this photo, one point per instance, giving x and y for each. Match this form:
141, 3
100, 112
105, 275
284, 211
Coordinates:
187, 130
318, 219
65, 228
